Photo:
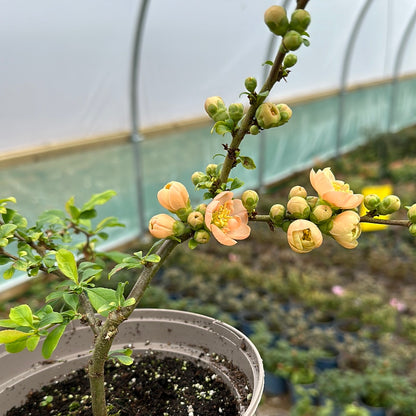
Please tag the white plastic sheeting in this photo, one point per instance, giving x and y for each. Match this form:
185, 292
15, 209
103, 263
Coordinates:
65, 66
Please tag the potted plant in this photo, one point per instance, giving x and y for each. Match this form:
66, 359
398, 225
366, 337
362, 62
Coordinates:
342, 387
64, 244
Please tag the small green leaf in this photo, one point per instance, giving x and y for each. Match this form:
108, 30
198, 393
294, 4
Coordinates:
54, 295
22, 315
268, 63
8, 336
247, 162
192, 244
116, 256
67, 264
4, 260
88, 214
129, 302
6, 230
71, 209
98, 199
72, 299
50, 319
236, 183
124, 359
221, 128
152, 258
51, 341
7, 274
101, 296
16, 346
8, 323
108, 222
32, 342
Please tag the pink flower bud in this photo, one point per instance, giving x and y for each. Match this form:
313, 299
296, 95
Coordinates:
298, 191
276, 20
268, 115
297, 207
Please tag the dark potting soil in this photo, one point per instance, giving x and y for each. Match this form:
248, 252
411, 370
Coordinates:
151, 386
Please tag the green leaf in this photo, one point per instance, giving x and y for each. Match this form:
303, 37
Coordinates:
54, 295
6, 230
50, 319
11, 335
116, 256
88, 214
71, 209
22, 315
152, 258
16, 346
72, 299
101, 296
4, 260
67, 264
125, 360
7, 274
51, 341
51, 217
98, 199
108, 222
8, 323
4, 242
221, 128
236, 183
268, 63
32, 342
129, 302
247, 162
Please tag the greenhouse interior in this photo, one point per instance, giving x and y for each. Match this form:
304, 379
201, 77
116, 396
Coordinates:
138, 227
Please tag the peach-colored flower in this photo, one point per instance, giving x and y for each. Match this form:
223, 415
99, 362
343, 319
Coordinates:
227, 219
346, 229
333, 191
174, 197
161, 226
303, 236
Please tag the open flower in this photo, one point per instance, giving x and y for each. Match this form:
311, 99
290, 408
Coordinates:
227, 219
303, 236
333, 191
174, 197
162, 226
346, 229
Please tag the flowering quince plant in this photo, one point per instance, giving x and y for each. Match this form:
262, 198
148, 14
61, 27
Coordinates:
65, 243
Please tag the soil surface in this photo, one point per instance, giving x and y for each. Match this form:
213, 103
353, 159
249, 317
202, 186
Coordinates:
151, 386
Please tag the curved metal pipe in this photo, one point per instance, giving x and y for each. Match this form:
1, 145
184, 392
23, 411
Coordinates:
345, 71
404, 41
136, 139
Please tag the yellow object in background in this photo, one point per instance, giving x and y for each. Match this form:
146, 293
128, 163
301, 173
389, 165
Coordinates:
382, 191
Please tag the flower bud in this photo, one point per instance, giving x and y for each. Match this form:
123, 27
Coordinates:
174, 197
312, 200
285, 112
298, 191
215, 108
276, 20
268, 115
388, 205
371, 202
290, 60
202, 236
412, 230
277, 213
411, 213
161, 226
346, 229
250, 83
254, 130
292, 40
236, 111
201, 208
198, 177
195, 219
211, 169
297, 207
300, 20
303, 236
250, 200
321, 213
178, 228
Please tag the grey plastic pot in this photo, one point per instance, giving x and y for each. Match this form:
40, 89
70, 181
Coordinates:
178, 333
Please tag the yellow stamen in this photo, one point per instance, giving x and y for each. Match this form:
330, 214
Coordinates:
221, 217
341, 186
307, 235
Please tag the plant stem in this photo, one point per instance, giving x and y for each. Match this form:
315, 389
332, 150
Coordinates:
403, 223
